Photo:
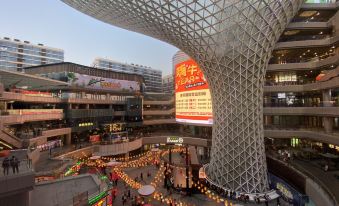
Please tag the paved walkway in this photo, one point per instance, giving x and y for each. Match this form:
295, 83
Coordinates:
23, 166
46, 164
195, 199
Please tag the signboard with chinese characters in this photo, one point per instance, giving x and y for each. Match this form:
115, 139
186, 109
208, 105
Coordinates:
192, 96
93, 82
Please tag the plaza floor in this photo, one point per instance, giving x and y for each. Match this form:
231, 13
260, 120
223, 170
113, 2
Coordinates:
193, 200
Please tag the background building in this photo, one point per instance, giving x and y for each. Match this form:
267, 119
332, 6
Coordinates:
152, 77
15, 54
168, 84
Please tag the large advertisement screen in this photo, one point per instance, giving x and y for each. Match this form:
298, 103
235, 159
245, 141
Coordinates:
93, 82
192, 97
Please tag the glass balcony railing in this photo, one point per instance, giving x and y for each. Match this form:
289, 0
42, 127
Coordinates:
34, 111
320, 1
300, 59
303, 38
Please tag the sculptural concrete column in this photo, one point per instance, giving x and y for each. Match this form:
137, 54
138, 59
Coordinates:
232, 41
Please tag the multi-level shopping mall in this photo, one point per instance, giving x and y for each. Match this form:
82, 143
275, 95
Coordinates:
77, 135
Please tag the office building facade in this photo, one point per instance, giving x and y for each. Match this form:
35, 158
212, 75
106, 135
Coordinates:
168, 84
16, 55
153, 81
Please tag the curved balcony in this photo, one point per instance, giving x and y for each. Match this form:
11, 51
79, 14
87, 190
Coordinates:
92, 101
19, 116
313, 181
159, 121
309, 25
42, 139
332, 60
326, 6
315, 134
308, 111
155, 102
84, 113
307, 43
330, 84
27, 98
159, 112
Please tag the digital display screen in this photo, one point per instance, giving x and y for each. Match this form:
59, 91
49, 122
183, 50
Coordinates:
192, 95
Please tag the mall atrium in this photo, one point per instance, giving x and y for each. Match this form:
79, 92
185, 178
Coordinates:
252, 118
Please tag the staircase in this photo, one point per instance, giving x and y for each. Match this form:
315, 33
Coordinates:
11, 139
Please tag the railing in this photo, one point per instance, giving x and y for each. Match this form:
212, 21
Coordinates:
316, 179
288, 60
303, 38
34, 111
307, 174
82, 113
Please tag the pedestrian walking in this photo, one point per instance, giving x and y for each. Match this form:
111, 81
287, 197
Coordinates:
29, 161
5, 165
124, 199
142, 177
16, 164
12, 163
129, 194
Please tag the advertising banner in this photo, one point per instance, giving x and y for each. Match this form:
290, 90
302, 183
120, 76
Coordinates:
192, 96
287, 192
93, 82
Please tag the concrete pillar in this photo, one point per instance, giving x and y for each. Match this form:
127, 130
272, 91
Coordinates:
327, 98
68, 139
327, 121
328, 124
69, 106
87, 106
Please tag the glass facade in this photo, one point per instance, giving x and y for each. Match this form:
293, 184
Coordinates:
15, 55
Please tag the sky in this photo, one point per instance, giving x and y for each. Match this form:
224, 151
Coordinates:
83, 38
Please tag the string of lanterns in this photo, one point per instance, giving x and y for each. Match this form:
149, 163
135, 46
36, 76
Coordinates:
211, 195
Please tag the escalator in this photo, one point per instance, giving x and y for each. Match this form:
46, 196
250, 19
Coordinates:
10, 140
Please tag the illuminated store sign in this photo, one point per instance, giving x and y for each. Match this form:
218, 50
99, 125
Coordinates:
116, 127
175, 140
192, 97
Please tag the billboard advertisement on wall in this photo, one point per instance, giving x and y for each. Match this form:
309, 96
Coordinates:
100, 83
192, 97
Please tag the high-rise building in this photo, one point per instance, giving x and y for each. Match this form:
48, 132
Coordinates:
168, 84
152, 77
16, 54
